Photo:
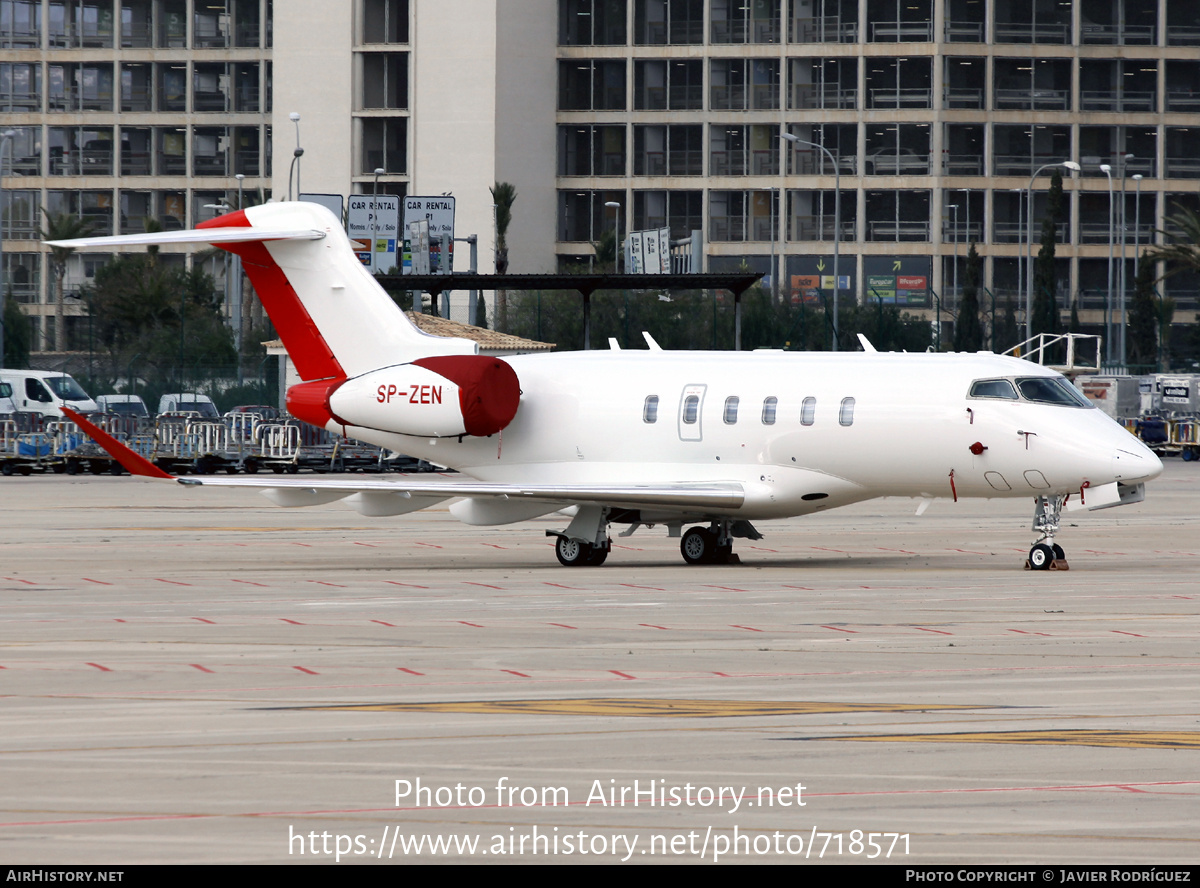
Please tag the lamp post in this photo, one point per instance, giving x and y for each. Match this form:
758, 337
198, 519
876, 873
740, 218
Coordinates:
1108, 304
375, 217
615, 205
954, 207
837, 222
5, 140
294, 117
1073, 167
237, 286
1124, 158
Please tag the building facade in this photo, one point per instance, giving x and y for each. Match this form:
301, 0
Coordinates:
927, 118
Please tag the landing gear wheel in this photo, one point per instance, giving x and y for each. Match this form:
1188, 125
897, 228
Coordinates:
698, 546
1040, 557
574, 553
1059, 554
598, 557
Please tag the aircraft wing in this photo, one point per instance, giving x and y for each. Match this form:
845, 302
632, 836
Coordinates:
303, 491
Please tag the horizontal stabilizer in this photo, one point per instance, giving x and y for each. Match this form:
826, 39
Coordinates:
193, 236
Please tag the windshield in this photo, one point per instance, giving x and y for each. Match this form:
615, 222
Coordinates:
1037, 389
1052, 390
204, 408
127, 408
66, 388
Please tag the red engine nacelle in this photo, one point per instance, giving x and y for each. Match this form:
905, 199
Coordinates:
437, 397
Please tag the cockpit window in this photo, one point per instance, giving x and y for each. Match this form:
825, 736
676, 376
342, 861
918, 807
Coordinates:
1052, 390
993, 388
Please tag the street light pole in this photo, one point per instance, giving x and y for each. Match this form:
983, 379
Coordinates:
837, 222
1070, 165
1108, 305
1124, 158
5, 140
294, 117
955, 208
375, 217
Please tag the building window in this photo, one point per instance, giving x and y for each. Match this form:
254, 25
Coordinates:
587, 150
591, 22
385, 80
384, 145
681, 211
591, 85
662, 22
739, 21
744, 84
385, 21
668, 150
21, 87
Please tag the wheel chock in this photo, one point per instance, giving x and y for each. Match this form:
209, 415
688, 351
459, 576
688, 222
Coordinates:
1059, 564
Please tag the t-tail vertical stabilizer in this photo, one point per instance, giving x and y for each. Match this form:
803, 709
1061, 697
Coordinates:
333, 317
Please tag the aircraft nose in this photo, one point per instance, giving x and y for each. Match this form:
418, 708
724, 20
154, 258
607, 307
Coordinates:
1137, 463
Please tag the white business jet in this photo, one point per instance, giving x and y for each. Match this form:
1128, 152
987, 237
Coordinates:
707, 441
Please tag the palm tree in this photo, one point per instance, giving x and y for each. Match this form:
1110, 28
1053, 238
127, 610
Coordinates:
1182, 251
62, 227
503, 196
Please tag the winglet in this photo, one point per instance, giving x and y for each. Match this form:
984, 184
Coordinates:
134, 463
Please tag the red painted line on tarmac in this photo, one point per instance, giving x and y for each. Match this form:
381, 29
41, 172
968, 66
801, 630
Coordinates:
484, 585
761, 549
514, 672
305, 671
653, 626
383, 623
801, 588
494, 546
966, 552
636, 586
100, 582
293, 622
1023, 632
747, 628
562, 625
251, 583
1123, 632
840, 629
98, 666
305, 545
827, 549
119, 620
624, 675
722, 675
19, 580
201, 668
409, 671
561, 586
430, 545
905, 551
938, 631
172, 582
628, 548
368, 545
202, 620
408, 585
466, 623
326, 583
728, 588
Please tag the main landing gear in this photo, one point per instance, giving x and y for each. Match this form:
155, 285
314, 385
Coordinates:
708, 545
577, 553
1047, 554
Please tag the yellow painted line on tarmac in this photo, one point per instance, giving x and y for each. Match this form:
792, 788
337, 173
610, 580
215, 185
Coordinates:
1120, 739
617, 706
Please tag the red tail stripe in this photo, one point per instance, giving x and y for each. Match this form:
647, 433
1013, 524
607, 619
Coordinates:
308, 349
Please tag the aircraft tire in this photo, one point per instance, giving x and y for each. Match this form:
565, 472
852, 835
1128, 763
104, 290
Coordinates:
1059, 554
698, 546
598, 557
1040, 557
573, 553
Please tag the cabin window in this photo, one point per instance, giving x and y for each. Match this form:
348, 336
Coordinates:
993, 388
731, 407
846, 413
769, 407
691, 406
650, 411
808, 411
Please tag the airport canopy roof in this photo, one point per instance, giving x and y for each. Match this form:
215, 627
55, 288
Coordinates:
737, 283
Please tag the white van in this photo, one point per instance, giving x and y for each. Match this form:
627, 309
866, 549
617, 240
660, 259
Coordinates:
188, 402
6, 401
124, 405
46, 391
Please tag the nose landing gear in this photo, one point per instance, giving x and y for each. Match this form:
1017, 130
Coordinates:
1047, 554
